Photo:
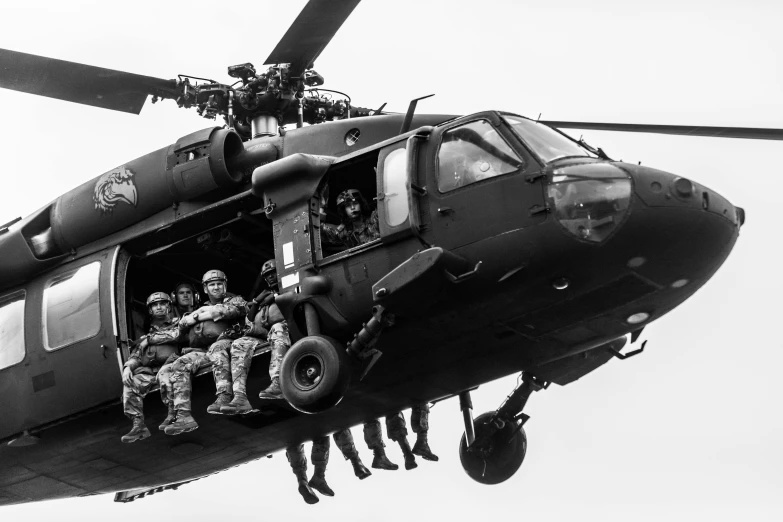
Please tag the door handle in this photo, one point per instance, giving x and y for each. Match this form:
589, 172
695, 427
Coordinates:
445, 210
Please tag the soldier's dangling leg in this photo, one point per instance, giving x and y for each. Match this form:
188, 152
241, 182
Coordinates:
242, 351
420, 416
298, 461
181, 372
344, 441
133, 406
280, 342
398, 432
373, 436
320, 458
164, 380
220, 356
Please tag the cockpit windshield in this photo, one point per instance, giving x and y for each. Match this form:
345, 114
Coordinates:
546, 142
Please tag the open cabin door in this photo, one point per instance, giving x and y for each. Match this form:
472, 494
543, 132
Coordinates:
70, 362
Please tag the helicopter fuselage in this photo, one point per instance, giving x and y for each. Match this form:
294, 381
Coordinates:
535, 264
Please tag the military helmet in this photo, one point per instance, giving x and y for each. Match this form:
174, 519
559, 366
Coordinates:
213, 275
156, 297
350, 195
268, 266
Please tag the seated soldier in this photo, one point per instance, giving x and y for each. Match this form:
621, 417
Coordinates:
185, 299
156, 348
209, 330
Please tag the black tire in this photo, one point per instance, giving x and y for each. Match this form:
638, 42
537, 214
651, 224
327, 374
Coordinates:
315, 374
505, 454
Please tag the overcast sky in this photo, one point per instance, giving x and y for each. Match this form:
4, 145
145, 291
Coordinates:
689, 430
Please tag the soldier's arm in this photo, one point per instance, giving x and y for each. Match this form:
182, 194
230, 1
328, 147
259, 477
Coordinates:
232, 309
134, 361
169, 334
330, 235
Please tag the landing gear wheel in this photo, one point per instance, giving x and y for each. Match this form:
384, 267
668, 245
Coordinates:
500, 458
315, 374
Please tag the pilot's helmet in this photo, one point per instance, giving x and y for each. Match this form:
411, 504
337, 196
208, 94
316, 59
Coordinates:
213, 275
267, 267
156, 297
350, 196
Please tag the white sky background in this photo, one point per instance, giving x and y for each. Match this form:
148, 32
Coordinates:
689, 430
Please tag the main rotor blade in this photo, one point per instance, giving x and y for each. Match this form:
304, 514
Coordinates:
312, 30
683, 130
79, 83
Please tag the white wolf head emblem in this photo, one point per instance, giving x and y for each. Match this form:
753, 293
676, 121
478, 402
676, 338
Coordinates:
114, 186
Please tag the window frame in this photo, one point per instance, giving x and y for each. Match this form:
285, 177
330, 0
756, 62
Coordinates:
524, 163
5, 298
44, 302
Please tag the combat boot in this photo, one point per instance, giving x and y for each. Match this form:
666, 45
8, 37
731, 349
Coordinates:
422, 449
410, 460
139, 431
171, 417
273, 391
238, 405
360, 470
184, 423
222, 400
318, 482
304, 488
381, 461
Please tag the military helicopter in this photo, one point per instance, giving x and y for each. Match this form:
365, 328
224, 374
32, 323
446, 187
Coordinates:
569, 324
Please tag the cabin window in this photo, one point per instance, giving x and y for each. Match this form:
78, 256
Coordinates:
12, 349
71, 309
395, 179
471, 153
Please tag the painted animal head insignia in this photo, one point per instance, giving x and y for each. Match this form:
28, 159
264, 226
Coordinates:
113, 187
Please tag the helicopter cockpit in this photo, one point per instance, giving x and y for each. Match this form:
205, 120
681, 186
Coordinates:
544, 141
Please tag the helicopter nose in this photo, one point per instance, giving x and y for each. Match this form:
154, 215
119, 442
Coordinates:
657, 188
684, 230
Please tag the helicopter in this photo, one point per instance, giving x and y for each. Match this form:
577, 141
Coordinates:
150, 246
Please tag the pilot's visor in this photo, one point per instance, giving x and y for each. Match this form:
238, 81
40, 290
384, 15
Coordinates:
590, 200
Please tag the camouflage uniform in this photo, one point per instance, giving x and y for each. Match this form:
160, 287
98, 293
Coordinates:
201, 335
162, 343
351, 234
320, 457
269, 318
398, 432
162, 347
220, 354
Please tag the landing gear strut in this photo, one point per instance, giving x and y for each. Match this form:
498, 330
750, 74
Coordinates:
494, 445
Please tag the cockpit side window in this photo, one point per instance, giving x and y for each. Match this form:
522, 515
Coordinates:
71, 309
12, 348
471, 153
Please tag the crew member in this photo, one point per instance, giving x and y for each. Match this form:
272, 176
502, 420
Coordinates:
209, 331
359, 223
156, 348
